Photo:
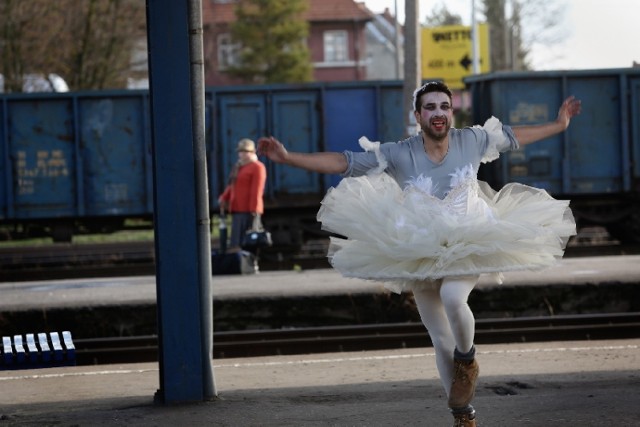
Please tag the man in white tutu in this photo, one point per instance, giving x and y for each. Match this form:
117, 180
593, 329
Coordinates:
415, 217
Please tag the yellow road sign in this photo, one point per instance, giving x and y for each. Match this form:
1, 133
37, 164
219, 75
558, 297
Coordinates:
447, 53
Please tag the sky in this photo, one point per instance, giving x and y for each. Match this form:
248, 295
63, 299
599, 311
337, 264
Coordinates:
594, 34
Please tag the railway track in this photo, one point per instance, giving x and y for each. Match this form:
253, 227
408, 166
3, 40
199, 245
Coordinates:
69, 261
367, 337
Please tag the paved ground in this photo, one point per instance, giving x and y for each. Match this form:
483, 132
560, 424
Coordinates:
539, 384
542, 385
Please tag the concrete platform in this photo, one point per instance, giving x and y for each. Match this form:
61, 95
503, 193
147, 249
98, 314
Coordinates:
539, 385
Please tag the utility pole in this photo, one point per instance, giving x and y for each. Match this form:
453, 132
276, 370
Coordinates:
475, 39
412, 62
397, 42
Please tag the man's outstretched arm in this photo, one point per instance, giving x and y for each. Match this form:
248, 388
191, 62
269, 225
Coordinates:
323, 162
528, 134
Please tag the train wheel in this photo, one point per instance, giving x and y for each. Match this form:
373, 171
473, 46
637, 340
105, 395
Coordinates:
627, 230
62, 232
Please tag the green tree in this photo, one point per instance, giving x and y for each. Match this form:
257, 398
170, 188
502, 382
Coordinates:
272, 36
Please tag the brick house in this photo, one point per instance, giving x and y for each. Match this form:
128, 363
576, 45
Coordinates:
336, 41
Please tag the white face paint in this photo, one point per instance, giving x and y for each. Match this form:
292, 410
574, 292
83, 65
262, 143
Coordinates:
435, 115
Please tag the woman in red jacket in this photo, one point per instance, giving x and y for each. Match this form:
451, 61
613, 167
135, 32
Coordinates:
243, 195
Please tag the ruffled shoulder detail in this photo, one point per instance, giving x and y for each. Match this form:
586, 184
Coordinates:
496, 137
375, 147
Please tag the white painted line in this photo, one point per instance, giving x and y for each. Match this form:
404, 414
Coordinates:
328, 360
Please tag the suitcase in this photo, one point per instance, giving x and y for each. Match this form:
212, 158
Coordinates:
241, 262
223, 262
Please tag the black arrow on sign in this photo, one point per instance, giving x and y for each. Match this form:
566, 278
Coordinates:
465, 62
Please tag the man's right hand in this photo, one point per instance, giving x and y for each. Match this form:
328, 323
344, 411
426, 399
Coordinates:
272, 148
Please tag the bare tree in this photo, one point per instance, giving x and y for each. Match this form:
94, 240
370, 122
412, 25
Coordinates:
515, 26
27, 39
539, 23
440, 15
88, 42
105, 31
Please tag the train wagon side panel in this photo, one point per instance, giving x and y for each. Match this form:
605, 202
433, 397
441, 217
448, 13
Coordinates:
595, 161
114, 155
520, 102
591, 157
5, 177
391, 108
44, 180
350, 113
634, 87
241, 115
296, 123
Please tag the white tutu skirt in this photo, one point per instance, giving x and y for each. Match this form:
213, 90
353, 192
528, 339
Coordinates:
410, 239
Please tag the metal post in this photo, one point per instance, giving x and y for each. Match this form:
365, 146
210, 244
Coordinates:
397, 42
178, 161
412, 63
475, 39
202, 193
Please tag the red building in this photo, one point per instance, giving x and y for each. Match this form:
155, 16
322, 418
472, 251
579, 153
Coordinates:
336, 40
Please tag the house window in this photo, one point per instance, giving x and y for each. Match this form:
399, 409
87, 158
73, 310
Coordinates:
335, 46
228, 51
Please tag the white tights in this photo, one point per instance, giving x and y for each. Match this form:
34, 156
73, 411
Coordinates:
449, 321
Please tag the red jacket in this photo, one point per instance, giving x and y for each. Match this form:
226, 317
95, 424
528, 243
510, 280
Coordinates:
245, 194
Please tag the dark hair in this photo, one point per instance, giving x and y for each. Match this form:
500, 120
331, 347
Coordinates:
427, 88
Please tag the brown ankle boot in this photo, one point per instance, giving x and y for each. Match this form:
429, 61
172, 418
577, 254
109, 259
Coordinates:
463, 386
465, 420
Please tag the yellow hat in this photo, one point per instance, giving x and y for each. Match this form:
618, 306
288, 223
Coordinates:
246, 145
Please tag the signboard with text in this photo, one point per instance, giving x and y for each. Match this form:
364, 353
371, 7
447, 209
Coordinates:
447, 53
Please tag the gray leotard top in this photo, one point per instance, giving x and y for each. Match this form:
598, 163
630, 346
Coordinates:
407, 159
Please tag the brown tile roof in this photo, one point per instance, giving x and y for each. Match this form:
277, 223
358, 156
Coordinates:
337, 10
318, 11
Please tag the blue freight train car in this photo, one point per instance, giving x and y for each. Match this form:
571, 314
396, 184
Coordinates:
71, 159
595, 163
81, 162
310, 117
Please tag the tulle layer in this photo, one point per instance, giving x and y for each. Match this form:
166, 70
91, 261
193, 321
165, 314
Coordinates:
410, 238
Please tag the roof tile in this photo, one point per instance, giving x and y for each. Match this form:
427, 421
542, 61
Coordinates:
319, 10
